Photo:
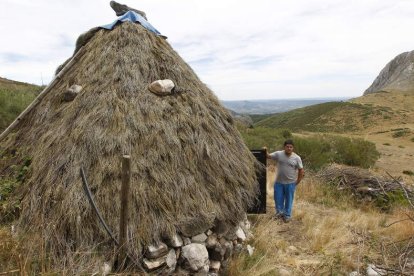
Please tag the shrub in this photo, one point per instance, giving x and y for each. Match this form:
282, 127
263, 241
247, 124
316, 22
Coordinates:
400, 133
408, 172
316, 151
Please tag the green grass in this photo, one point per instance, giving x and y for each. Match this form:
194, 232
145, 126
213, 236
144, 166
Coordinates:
14, 98
259, 117
316, 151
324, 117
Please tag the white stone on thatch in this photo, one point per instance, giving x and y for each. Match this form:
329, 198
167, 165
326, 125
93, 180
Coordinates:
209, 232
71, 93
156, 251
195, 256
161, 87
200, 238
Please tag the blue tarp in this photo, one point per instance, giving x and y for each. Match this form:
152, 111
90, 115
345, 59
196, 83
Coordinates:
133, 17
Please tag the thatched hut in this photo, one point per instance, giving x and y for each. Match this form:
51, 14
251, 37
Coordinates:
190, 168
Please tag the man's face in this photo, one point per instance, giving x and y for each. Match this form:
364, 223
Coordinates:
288, 149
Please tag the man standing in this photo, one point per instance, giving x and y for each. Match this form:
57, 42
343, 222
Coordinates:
289, 174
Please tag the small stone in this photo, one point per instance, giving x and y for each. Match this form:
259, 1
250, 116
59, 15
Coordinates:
284, 272
71, 93
105, 269
371, 271
200, 238
250, 249
354, 273
211, 241
154, 263
156, 251
161, 87
186, 241
229, 250
175, 241
195, 256
241, 236
171, 260
215, 266
212, 274
209, 232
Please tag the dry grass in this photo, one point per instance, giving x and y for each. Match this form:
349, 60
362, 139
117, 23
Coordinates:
189, 163
330, 237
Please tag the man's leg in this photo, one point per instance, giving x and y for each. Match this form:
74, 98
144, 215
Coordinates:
278, 196
289, 195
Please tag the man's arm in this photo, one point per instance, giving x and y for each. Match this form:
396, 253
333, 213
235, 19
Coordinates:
301, 174
268, 156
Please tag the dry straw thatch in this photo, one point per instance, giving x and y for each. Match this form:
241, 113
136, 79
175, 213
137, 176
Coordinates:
189, 163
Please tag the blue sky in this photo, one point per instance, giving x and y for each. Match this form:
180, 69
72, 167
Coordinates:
241, 49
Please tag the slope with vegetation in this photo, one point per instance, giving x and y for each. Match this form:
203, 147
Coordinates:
14, 97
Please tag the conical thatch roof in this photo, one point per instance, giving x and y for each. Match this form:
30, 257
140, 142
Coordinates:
189, 163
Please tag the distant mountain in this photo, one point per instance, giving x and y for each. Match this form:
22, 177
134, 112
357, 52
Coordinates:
272, 106
340, 117
397, 75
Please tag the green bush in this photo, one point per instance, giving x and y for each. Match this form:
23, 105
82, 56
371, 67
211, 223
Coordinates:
316, 151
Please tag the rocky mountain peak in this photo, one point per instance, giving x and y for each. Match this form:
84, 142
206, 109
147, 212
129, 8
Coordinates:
397, 75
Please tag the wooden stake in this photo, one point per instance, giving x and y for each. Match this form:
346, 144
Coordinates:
123, 222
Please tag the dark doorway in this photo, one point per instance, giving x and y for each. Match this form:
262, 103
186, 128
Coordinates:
260, 205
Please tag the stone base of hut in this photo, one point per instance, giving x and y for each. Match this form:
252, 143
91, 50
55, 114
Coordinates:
205, 253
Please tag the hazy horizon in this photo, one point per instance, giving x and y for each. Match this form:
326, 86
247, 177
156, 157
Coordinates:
269, 50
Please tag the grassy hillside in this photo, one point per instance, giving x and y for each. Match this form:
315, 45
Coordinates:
329, 117
14, 97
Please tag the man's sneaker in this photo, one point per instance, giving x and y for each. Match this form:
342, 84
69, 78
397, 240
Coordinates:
287, 219
278, 216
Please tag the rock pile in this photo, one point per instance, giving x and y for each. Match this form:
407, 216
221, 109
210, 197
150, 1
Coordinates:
205, 253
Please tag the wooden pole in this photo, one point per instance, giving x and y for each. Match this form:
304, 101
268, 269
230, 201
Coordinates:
123, 222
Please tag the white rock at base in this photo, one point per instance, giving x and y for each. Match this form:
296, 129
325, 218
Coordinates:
241, 236
154, 263
175, 241
195, 256
171, 260
215, 266
354, 273
186, 241
156, 251
211, 241
200, 238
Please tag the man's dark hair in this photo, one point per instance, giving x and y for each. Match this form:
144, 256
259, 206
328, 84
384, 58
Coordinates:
288, 142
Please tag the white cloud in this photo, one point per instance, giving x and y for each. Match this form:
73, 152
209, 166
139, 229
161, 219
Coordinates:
241, 49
